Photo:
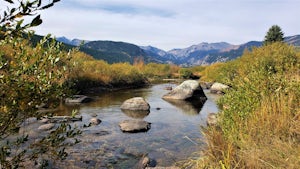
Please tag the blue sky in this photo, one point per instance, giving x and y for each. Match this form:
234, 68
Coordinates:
169, 24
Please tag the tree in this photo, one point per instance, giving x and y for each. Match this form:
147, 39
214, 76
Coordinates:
274, 34
29, 76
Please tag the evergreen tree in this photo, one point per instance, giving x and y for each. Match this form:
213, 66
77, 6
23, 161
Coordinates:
274, 34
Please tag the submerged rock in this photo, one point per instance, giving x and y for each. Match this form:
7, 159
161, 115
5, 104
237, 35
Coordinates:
95, 121
168, 88
218, 88
78, 99
57, 119
136, 103
189, 89
143, 163
30, 120
134, 126
44, 120
46, 127
212, 119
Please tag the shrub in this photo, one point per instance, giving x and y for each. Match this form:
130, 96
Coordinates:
258, 122
185, 73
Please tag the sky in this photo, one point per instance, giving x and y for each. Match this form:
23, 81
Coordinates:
169, 24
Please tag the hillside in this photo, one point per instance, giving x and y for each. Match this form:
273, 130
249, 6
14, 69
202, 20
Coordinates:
113, 52
201, 54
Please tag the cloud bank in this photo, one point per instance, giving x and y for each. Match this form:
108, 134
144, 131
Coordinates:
169, 24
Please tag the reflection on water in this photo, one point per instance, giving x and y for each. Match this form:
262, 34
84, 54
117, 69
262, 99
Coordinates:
138, 114
175, 128
188, 107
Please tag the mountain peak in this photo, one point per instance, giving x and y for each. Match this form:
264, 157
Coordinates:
74, 42
198, 54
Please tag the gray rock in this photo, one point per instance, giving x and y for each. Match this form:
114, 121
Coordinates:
206, 85
134, 126
46, 127
95, 121
136, 103
143, 163
188, 89
30, 120
168, 88
78, 99
218, 88
44, 120
94, 115
56, 119
212, 119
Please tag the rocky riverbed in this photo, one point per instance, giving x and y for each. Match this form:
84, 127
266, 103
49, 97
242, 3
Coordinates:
174, 134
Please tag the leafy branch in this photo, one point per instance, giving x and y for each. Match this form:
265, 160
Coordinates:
11, 20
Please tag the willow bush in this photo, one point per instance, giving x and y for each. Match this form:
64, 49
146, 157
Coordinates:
259, 120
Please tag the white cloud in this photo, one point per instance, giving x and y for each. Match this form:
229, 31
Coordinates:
169, 24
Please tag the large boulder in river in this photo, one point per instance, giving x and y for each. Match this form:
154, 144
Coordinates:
218, 88
134, 126
189, 89
136, 103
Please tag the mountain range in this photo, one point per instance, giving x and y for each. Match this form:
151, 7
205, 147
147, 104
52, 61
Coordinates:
201, 54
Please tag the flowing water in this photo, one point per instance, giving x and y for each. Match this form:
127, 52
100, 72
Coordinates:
174, 135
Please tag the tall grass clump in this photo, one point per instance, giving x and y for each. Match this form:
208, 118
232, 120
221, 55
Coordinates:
89, 73
155, 70
260, 116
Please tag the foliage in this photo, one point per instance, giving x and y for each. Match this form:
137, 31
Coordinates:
220, 72
274, 34
89, 73
258, 123
185, 73
12, 22
155, 70
30, 77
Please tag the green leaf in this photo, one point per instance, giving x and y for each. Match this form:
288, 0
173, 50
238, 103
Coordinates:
19, 23
56, 60
36, 21
9, 1
39, 3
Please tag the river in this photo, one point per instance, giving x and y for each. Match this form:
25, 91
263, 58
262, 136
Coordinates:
174, 135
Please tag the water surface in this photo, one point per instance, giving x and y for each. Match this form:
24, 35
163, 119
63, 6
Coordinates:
174, 135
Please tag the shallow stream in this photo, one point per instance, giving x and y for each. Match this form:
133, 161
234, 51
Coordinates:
174, 135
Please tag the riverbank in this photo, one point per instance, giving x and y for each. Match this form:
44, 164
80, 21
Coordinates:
259, 118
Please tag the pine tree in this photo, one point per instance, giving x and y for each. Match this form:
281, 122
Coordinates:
274, 34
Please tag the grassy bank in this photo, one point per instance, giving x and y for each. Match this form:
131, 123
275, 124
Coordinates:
91, 73
260, 116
